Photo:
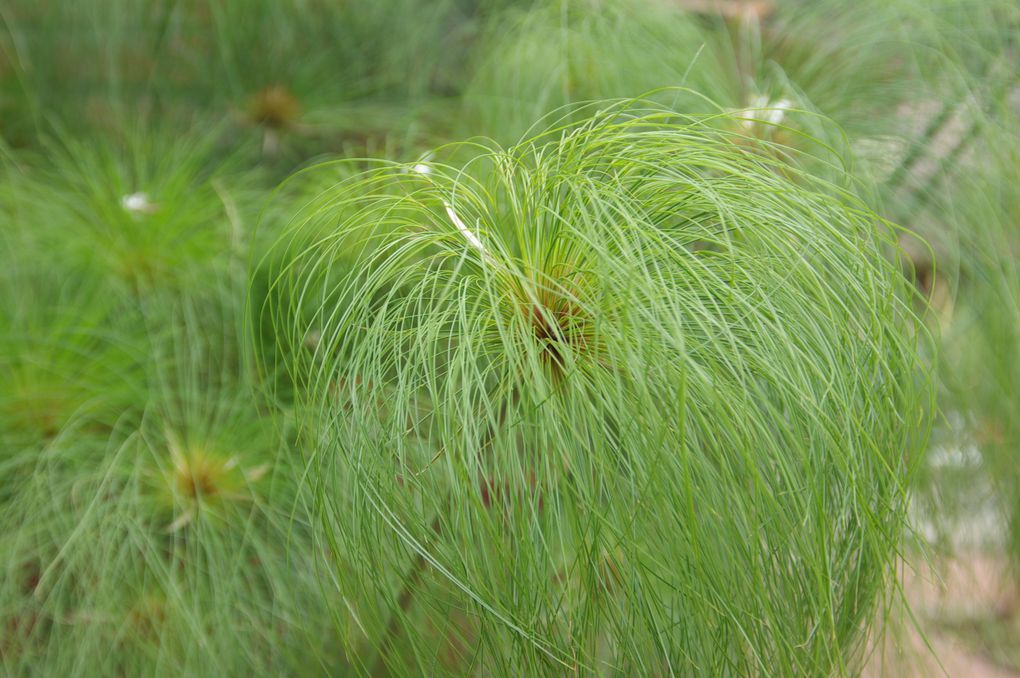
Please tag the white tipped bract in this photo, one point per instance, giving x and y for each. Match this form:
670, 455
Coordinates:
467, 232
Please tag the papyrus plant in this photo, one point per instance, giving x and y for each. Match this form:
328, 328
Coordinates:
165, 542
147, 492
853, 62
979, 371
536, 58
627, 398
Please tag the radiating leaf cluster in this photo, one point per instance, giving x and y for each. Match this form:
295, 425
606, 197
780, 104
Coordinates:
632, 396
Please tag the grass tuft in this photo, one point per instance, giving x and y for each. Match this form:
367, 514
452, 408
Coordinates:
627, 396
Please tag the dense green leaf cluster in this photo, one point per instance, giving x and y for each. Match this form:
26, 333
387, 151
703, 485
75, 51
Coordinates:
578, 339
629, 397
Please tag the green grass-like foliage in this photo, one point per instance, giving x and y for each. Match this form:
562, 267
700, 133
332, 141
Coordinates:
533, 60
631, 397
164, 543
980, 370
148, 495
